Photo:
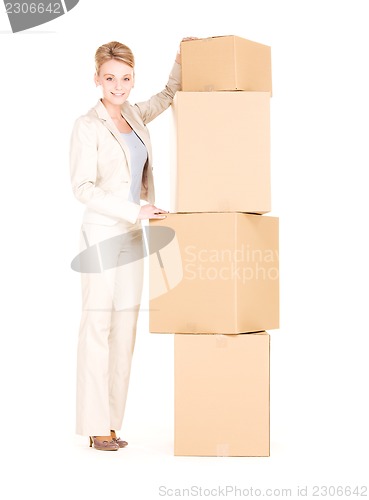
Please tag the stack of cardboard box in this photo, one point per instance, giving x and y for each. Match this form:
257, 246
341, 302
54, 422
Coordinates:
214, 272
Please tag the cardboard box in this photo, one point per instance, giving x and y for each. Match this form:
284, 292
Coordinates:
229, 269
221, 397
225, 63
221, 152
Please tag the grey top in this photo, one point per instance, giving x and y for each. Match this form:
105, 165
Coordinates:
138, 154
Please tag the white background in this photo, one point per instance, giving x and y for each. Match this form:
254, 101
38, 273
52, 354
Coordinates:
319, 356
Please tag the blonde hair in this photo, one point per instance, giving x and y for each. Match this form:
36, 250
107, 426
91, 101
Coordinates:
113, 50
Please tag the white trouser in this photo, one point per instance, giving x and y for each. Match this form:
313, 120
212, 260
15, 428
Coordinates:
110, 305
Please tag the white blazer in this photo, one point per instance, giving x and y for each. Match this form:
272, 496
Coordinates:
100, 165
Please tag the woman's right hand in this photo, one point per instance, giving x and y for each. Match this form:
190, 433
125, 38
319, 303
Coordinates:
151, 212
186, 39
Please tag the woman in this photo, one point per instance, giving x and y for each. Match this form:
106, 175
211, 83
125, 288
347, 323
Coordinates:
111, 170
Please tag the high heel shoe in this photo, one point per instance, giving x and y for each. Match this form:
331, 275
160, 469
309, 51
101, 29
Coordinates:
119, 441
103, 445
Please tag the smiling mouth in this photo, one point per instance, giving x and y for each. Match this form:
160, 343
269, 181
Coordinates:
118, 94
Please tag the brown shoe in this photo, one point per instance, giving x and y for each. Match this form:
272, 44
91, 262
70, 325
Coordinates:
104, 445
119, 441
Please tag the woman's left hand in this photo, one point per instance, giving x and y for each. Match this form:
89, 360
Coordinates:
178, 56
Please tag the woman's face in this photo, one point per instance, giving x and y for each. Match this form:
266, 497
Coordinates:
116, 80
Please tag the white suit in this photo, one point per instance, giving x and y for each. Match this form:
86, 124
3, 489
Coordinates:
112, 268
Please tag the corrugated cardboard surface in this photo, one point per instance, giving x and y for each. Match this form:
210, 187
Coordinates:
221, 152
221, 395
229, 263
225, 63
